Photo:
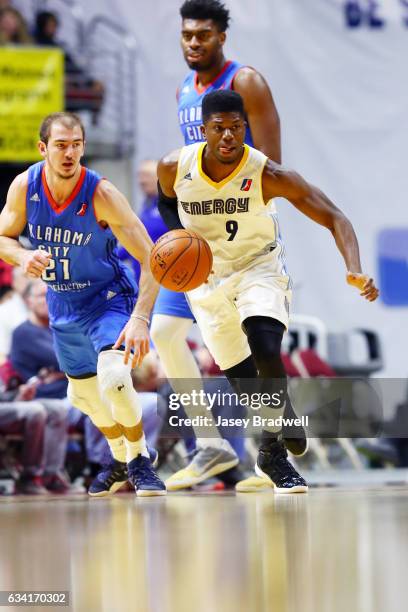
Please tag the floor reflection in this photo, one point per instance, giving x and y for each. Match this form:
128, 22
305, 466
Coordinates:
327, 551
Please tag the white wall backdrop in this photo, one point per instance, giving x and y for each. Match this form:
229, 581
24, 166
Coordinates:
342, 95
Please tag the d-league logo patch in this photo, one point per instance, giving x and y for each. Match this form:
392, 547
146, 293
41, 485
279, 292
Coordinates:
82, 210
246, 185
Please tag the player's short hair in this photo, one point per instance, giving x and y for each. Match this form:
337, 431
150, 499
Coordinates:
69, 120
206, 9
222, 101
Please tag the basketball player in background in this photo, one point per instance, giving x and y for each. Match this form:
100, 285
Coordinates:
73, 218
204, 26
222, 189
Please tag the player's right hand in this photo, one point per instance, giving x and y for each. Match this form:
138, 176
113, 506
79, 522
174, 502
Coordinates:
35, 262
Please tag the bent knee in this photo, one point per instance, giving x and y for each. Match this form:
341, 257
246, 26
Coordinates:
114, 377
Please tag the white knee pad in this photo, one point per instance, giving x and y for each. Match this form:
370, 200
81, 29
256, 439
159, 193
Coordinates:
83, 393
116, 386
113, 375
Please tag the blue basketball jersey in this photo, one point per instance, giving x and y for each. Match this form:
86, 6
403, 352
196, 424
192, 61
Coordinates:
190, 97
84, 267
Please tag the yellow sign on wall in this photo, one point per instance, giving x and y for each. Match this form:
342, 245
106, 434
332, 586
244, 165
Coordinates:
31, 87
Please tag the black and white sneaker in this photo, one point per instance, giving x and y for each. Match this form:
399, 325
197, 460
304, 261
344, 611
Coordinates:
273, 464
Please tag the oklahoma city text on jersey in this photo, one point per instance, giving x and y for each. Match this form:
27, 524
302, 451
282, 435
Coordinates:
64, 236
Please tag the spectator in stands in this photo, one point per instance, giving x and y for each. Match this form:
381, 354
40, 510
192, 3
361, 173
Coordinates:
13, 28
82, 91
149, 213
13, 310
32, 352
42, 440
27, 418
33, 358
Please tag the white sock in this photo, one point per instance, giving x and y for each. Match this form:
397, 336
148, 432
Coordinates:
118, 448
133, 449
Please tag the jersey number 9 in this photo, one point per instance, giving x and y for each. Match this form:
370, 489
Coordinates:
231, 228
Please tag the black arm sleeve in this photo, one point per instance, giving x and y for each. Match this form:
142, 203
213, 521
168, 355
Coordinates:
168, 210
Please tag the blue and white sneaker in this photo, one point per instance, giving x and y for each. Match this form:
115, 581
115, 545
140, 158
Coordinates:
114, 475
109, 480
144, 479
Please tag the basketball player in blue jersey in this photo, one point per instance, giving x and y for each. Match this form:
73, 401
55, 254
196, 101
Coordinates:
73, 219
243, 309
204, 25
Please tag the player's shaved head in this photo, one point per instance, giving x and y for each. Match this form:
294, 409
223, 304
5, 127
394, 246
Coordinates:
206, 9
68, 120
222, 101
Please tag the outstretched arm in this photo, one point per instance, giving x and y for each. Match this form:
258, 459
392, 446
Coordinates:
112, 207
280, 182
13, 220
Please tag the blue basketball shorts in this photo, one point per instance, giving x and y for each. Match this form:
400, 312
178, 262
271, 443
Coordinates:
172, 303
77, 343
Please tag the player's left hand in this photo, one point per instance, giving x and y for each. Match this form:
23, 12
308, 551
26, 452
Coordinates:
135, 337
366, 285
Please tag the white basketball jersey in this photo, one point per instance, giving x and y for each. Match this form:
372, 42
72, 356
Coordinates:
231, 214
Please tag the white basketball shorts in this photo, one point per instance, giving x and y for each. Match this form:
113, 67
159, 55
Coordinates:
221, 305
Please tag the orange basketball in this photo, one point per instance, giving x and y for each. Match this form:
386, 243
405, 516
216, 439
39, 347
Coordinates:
181, 260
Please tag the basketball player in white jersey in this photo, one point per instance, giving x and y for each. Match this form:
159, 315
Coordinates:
203, 35
222, 190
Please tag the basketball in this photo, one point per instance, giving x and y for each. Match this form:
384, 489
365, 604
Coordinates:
181, 260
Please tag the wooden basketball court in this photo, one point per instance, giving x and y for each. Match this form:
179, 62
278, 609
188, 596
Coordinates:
332, 550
